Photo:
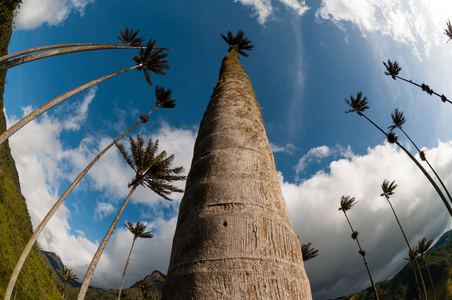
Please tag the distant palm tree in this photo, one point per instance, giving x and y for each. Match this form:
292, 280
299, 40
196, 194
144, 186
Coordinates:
308, 252
393, 69
138, 231
127, 37
152, 170
164, 101
388, 190
68, 275
397, 121
448, 30
422, 247
359, 104
148, 60
347, 203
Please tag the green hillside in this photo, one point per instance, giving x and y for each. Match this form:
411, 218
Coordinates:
403, 284
37, 280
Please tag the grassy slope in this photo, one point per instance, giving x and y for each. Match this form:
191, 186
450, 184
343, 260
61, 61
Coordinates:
403, 284
37, 279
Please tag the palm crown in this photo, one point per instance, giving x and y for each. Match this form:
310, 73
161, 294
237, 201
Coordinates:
153, 60
397, 119
138, 230
238, 42
152, 170
392, 69
129, 37
448, 31
164, 98
67, 274
308, 252
347, 203
388, 188
358, 104
423, 245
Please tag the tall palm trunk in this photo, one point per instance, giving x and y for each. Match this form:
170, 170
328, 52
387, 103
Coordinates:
92, 267
233, 238
21, 123
429, 275
362, 252
37, 232
438, 190
428, 163
125, 268
425, 88
409, 247
66, 48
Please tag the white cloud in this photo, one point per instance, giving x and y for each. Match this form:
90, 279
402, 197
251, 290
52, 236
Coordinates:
288, 148
34, 13
264, 8
314, 154
81, 111
417, 23
103, 209
313, 208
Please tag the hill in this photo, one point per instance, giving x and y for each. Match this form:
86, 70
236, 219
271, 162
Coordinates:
37, 279
403, 284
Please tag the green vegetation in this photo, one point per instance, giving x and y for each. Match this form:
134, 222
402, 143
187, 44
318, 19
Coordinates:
403, 285
38, 280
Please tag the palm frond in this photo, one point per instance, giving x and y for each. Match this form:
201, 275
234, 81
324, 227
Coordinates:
358, 104
238, 42
397, 119
164, 98
347, 203
448, 30
129, 37
392, 69
388, 188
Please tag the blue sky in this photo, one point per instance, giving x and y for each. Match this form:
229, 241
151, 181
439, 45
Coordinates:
308, 57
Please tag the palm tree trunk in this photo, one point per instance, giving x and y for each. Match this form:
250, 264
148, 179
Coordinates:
64, 289
443, 98
125, 268
409, 247
364, 259
429, 275
21, 123
438, 190
54, 208
92, 267
428, 163
233, 238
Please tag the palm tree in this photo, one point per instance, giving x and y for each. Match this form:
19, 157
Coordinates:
164, 101
393, 69
422, 247
388, 190
67, 275
448, 30
153, 171
148, 60
308, 252
347, 203
359, 104
138, 231
233, 213
411, 256
239, 42
127, 37
398, 120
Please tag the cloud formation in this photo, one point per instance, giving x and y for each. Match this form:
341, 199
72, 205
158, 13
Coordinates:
264, 9
34, 13
419, 24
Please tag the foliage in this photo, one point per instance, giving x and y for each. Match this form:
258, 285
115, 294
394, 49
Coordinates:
238, 42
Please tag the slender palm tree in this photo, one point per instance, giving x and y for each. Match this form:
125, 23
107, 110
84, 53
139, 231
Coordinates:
448, 30
397, 121
164, 101
127, 37
411, 259
153, 171
308, 252
347, 203
67, 275
359, 104
388, 190
422, 247
148, 60
138, 231
393, 69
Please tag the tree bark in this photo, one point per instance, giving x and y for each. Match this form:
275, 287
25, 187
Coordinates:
233, 237
92, 267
